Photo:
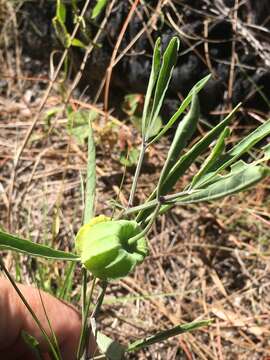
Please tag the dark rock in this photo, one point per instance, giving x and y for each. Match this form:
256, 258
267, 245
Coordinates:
251, 77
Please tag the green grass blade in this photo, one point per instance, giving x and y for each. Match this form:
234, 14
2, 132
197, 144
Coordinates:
183, 134
11, 242
212, 158
151, 84
168, 62
196, 88
65, 290
166, 334
91, 177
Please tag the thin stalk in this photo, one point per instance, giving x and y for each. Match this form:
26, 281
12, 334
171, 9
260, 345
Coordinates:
54, 338
134, 239
85, 311
2, 266
165, 200
100, 299
84, 289
137, 173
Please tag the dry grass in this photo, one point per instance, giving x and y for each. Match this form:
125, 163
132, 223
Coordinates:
207, 261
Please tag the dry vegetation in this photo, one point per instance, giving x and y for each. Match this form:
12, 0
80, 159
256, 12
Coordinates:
207, 261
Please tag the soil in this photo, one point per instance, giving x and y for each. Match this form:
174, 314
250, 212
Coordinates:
238, 56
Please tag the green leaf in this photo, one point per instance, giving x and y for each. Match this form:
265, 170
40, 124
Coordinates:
212, 158
32, 343
156, 125
131, 104
183, 134
109, 347
100, 5
196, 88
166, 334
238, 150
132, 107
243, 146
186, 160
11, 242
168, 62
266, 150
78, 123
131, 159
156, 64
61, 32
90, 176
242, 177
64, 291
61, 11
78, 43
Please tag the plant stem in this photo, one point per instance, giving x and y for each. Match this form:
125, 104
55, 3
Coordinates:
137, 173
100, 299
133, 240
84, 289
53, 350
85, 311
167, 199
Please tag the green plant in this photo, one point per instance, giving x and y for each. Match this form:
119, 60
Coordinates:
112, 248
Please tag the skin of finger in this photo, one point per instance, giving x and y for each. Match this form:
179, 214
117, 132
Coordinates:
14, 318
18, 351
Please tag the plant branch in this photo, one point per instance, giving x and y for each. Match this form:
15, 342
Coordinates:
85, 311
100, 299
167, 199
134, 239
137, 173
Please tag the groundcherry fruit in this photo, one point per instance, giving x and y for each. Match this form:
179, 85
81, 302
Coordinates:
104, 248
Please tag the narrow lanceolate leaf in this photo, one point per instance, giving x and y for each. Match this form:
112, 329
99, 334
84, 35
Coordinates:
242, 177
11, 242
187, 159
91, 177
151, 84
109, 347
183, 134
196, 88
100, 5
61, 31
164, 77
266, 150
166, 334
61, 11
212, 158
202, 145
242, 147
